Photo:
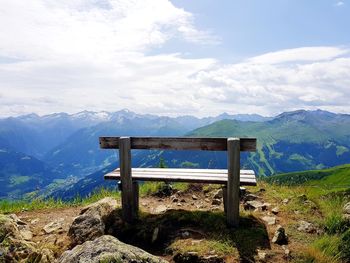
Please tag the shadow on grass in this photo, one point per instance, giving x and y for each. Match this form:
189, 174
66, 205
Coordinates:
156, 233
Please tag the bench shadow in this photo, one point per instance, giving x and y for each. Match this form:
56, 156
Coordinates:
156, 232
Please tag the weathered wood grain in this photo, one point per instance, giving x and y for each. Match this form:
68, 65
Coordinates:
128, 210
233, 182
184, 175
178, 143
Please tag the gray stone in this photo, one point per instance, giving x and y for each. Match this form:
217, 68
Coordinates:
252, 205
107, 249
262, 256
270, 220
216, 202
194, 197
285, 201
218, 194
160, 209
280, 237
86, 227
275, 210
103, 208
251, 197
346, 208
26, 234
92, 221
306, 227
55, 226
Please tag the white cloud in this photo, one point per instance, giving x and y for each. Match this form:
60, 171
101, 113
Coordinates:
303, 54
340, 3
75, 55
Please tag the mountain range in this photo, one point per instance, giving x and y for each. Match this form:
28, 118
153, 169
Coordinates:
71, 163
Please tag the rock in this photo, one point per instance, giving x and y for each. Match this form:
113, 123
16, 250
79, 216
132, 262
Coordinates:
8, 228
286, 252
193, 257
306, 227
165, 191
16, 249
218, 194
346, 208
92, 221
103, 208
107, 249
285, 201
86, 227
275, 210
194, 197
155, 234
174, 198
270, 220
34, 221
55, 226
252, 205
43, 256
185, 234
251, 197
160, 209
265, 206
262, 256
183, 200
216, 202
26, 234
242, 191
280, 236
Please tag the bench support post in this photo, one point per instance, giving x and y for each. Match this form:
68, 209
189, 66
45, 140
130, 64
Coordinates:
224, 197
129, 210
233, 181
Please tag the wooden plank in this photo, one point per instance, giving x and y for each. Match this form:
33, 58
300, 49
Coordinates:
233, 182
178, 143
184, 177
139, 174
184, 170
204, 180
128, 210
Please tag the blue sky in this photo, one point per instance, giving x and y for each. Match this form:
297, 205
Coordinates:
174, 57
250, 28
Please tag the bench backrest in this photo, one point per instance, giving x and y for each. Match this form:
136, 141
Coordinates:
178, 143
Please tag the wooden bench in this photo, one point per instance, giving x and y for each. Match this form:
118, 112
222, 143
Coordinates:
231, 178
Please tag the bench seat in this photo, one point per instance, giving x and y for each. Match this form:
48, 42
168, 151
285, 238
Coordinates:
211, 176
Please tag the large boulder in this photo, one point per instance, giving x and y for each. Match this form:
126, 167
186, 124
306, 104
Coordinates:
86, 227
102, 208
107, 249
92, 221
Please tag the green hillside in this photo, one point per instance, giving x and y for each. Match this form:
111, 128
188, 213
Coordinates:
338, 176
293, 141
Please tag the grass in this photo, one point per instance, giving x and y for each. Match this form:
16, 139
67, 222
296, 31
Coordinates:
147, 188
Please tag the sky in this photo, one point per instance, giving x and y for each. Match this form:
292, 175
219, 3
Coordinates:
180, 57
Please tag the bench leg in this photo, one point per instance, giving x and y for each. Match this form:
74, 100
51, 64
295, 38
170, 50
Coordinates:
128, 203
233, 181
224, 197
135, 191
